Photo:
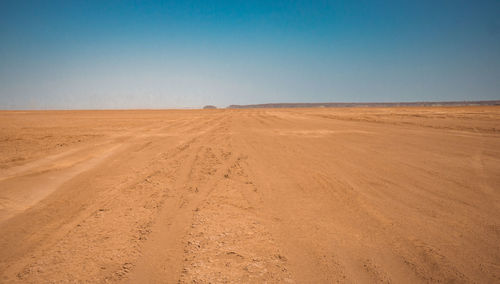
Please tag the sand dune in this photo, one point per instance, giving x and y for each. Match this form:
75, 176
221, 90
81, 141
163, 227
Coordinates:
403, 195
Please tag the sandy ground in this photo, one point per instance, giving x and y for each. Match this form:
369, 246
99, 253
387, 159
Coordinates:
403, 195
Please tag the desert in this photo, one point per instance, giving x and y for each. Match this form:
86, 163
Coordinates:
303, 195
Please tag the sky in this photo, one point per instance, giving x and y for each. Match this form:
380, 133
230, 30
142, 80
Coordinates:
186, 54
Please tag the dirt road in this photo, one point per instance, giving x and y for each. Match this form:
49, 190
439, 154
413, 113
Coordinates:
403, 195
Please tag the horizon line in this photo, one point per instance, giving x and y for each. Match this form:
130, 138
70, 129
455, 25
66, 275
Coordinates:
287, 104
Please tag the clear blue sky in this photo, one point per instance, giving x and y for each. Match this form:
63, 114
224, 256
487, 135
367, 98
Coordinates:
169, 54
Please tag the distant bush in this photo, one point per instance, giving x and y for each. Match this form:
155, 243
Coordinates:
209, 107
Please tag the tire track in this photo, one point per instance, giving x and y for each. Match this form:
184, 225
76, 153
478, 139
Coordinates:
228, 241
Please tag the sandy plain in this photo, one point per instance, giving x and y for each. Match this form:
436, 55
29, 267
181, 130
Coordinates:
402, 195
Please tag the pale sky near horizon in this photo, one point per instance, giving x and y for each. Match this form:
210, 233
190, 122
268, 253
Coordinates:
175, 54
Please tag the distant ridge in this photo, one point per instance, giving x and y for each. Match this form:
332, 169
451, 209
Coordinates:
396, 104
